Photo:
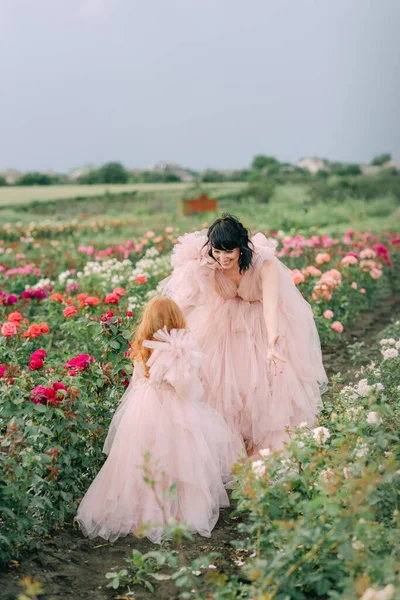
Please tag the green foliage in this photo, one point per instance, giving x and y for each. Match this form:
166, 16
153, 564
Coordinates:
3, 181
35, 178
112, 172
261, 162
381, 159
211, 176
156, 177
347, 170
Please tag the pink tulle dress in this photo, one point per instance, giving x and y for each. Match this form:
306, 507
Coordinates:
228, 324
187, 444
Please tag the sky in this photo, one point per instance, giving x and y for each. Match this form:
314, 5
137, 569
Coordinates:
205, 83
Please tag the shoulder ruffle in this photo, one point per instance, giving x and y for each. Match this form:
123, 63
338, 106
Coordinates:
191, 281
264, 247
191, 246
175, 359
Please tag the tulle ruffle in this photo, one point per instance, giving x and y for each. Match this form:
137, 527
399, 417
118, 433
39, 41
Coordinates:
163, 431
231, 332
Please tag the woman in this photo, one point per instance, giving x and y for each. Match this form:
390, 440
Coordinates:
263, 365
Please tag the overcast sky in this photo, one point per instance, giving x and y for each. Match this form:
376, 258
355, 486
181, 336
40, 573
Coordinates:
199, 82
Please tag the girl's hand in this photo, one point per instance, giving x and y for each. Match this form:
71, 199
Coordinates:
273, 356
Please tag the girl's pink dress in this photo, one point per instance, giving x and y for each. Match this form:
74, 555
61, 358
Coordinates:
188, 444
229, 327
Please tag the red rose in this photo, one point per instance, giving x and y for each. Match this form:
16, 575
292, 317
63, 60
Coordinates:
36, 364
50, 393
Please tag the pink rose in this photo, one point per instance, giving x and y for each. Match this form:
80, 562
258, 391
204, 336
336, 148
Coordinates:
328, 314
3, 369
354, 285
322, 257
363, 290
349, 260
111, 299
376, 273
337, 326
298, 276
8, 329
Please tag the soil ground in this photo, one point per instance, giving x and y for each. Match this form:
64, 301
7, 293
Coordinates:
73, 568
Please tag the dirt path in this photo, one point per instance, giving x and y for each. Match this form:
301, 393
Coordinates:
73, 568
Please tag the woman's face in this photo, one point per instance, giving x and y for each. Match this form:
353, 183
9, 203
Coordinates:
226, 258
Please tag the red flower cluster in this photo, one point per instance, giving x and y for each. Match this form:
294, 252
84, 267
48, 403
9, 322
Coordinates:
35, 330
384, 253
107, 317
78, 363
38, 294
50, 395
37, 360
3, 369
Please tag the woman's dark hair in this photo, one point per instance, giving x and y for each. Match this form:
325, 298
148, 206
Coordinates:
228, 233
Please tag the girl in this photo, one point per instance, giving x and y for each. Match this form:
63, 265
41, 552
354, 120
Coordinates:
263, 366
161, 432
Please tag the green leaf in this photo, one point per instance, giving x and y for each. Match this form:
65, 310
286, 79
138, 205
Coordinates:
160, 576
149, 585
114, 344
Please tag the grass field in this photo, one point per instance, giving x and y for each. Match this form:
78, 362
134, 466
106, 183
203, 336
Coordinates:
154, 206
22, 195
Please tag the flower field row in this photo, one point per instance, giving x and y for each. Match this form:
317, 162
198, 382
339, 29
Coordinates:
67, 312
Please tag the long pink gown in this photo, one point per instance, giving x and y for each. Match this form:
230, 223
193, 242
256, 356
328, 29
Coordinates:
228, 324
188, 442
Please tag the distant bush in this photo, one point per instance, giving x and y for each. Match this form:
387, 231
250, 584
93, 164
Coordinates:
261, 162
366, 188
156, 177
112, 172
347, 170
261, 191
381, 159
3, 181
35, 178
211, 176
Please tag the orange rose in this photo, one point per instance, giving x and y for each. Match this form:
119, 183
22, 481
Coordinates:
70, 311
44, 328
91, 301
15, 317
56, 297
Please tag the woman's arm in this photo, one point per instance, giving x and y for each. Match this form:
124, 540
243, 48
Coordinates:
270, 287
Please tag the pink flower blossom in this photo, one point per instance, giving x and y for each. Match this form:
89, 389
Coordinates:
337, 326
8, 329
3, 369
363, 290
354, 285
328, 314
79, 363
349, 260
298, 276
367, 253
322, 257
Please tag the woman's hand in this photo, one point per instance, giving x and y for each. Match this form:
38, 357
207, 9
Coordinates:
273, 356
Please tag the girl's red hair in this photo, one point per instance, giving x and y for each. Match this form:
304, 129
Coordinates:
160, 312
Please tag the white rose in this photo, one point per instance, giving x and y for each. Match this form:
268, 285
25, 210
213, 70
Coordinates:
321, 435
265, 452
258, 468
390, 353
372, 418
357, 544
